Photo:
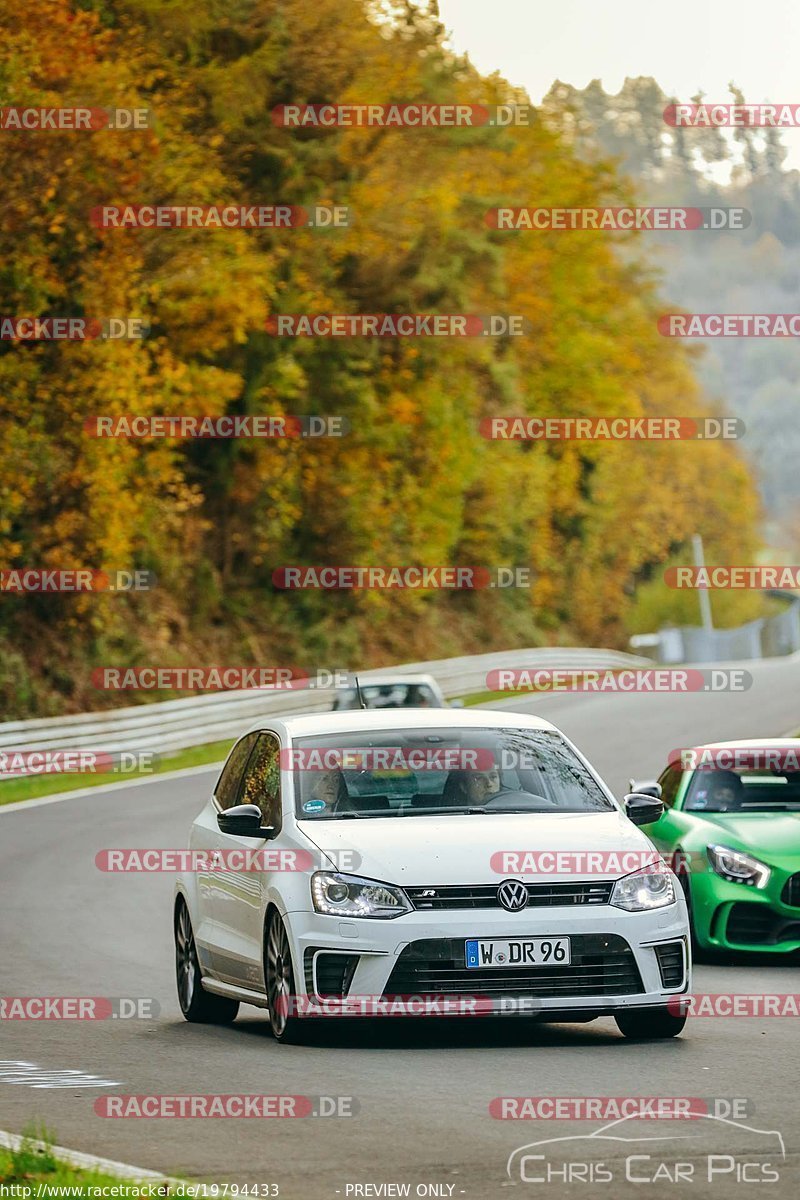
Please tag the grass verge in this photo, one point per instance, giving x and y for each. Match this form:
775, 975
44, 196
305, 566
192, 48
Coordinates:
34, 786
486, 697
34, 1171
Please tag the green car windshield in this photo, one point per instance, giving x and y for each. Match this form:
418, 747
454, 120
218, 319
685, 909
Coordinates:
743, 791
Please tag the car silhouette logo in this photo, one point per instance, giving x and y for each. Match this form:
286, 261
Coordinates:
614, 1131
512, 894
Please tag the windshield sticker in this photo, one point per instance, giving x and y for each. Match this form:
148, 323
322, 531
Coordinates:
314, 806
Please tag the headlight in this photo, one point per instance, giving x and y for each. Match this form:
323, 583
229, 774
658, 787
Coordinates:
348, 896
643, 890
738, 867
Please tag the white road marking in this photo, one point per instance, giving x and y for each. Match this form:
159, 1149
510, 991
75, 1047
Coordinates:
28, 1074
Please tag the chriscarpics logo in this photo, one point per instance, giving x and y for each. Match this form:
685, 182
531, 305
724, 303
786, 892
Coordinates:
705, 1150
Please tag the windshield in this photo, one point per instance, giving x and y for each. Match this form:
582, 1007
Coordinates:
743, 791
424, 772
389, 695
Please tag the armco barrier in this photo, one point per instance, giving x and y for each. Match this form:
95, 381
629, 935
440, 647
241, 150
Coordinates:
766, 637
172, 725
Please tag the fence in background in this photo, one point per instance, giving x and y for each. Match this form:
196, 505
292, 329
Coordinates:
768, 637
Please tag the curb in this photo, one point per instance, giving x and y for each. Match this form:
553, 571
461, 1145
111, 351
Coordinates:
77, 1158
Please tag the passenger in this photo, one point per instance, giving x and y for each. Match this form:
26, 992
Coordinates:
330, 787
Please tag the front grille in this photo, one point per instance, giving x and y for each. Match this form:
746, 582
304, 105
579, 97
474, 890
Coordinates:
758, 925
670, 963
540, 895
791, 891
334, 972
602, 965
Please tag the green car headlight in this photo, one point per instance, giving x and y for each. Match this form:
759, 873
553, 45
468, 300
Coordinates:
738, 867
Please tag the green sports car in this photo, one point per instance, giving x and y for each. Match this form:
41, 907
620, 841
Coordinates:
731, 831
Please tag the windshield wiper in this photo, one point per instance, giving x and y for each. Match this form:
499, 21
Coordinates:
424, 811
444, 810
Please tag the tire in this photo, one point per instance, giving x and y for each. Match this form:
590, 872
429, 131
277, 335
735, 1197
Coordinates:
682, 871
646, 1024
279, 982
196, 1004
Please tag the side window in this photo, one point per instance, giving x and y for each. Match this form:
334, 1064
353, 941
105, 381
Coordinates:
670, 782
227, 788
262, 783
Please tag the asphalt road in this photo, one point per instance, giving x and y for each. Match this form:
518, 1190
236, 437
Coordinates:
422, 1090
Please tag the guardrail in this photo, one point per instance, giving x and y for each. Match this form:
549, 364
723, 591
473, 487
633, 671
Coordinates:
766, 637
171, 725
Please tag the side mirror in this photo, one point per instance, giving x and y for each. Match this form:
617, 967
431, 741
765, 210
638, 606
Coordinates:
244, 820
456, 703
645, 787
643, 809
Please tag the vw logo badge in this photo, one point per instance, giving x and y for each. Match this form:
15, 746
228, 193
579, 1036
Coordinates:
512, 894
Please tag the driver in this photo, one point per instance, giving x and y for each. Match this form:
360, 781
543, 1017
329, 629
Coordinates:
471, 788
725, 790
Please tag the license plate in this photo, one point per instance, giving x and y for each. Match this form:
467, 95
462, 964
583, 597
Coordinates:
517, 952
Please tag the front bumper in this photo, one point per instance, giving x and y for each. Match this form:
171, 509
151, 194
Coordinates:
735, 917
620, 960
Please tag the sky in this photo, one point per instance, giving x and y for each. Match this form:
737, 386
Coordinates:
685, 45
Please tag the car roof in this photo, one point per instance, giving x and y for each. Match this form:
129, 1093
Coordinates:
367, 720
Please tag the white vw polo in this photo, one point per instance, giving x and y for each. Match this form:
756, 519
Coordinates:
417, 862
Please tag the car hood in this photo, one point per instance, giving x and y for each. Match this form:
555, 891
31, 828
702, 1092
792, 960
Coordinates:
773, 835
430, 850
